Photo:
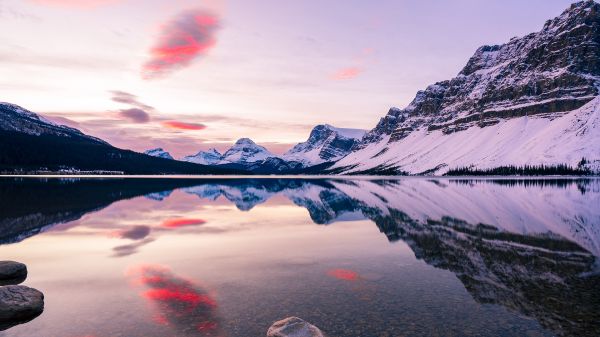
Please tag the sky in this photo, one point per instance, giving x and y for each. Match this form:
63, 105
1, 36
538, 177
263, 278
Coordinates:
188, 75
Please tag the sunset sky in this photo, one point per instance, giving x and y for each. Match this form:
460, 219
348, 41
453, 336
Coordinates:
188, 75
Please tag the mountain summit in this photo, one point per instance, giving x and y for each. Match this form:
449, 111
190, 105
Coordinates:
326, 143
530, 101
246, 151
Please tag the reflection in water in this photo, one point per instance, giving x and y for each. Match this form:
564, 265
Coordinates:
530, 246
189, 309
344, 274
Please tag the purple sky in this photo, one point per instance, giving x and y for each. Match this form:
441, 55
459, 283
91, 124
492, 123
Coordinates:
189, 75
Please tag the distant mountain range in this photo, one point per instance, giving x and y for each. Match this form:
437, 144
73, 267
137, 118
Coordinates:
326, 144
532, 102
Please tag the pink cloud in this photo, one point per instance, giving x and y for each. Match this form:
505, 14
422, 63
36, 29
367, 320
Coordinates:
346, 73
189, 35
182, 222
183, 126
75, 3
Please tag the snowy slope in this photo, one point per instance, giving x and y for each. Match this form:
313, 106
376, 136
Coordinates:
326, 143
159, 153
564, 138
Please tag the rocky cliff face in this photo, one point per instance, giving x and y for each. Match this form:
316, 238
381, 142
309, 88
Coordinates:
541, 75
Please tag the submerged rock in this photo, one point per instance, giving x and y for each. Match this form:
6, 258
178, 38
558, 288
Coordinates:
12, 272
294, 327
19, 304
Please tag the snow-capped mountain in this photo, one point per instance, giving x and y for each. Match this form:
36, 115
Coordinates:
159, 153
210, 157
245, 151
14, 118
325, 144
530, 101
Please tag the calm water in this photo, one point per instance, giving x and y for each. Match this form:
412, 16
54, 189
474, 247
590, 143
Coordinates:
412, 257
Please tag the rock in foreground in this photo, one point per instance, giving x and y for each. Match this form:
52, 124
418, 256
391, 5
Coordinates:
12, 272
293, 327
19, 304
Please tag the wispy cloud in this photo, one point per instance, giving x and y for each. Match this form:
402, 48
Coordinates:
346, 73
183, 126
186, 37
137, 112
135, 115
352, 72
130, 99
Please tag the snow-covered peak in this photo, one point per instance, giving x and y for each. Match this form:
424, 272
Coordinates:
159, 153
326, 143
244, 142
246, 151
210, 157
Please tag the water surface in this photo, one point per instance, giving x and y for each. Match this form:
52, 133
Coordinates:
227, 257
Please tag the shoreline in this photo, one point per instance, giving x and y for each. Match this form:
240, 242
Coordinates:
306, 177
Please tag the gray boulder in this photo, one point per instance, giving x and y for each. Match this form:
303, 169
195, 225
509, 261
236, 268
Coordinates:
19, 304
294, 327
12, 272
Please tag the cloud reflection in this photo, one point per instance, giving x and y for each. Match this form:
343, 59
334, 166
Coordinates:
182, 305
344, 274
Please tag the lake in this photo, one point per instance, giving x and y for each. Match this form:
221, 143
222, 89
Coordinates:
357, 257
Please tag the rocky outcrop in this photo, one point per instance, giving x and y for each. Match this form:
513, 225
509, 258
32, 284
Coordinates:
19, 304
294, 327
12, 272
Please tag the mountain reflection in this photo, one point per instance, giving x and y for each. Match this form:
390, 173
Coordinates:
528, 245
